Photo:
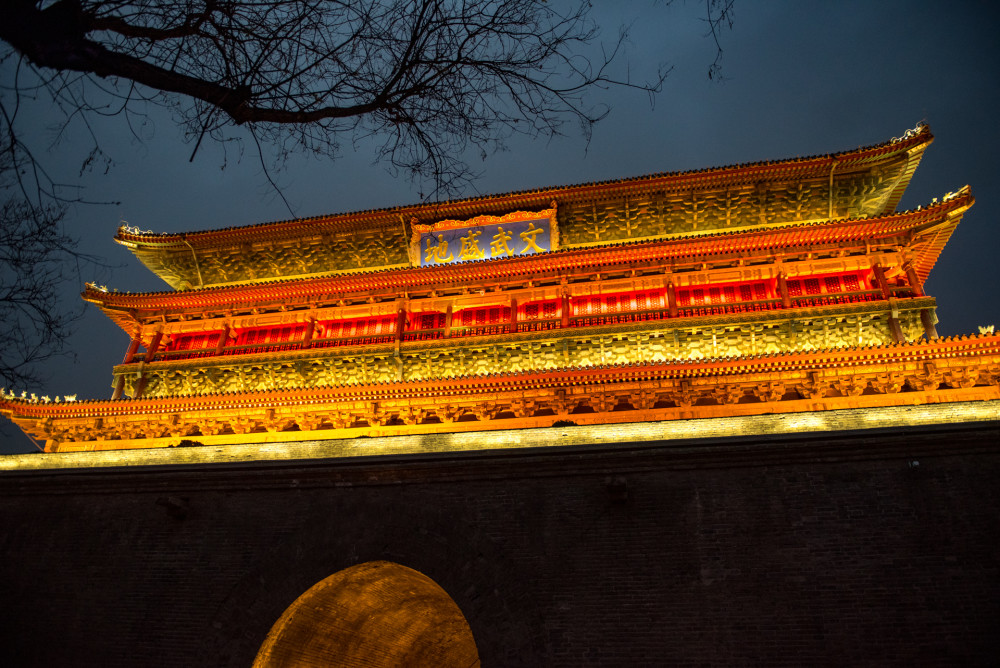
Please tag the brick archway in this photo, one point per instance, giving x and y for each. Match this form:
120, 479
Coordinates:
377, 613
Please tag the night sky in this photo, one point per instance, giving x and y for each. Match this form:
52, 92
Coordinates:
802, 78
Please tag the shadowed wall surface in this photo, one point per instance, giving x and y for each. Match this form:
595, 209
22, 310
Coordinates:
857, 548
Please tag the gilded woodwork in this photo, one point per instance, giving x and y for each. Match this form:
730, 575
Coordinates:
536, 352
662, 214
625, 395
651, 208
344, 251
630, 217
415, 351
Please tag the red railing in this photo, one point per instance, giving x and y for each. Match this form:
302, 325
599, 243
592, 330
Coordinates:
351, 341
481, 330
424, 327
539, 325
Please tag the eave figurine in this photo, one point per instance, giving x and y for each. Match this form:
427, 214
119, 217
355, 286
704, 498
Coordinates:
788, 286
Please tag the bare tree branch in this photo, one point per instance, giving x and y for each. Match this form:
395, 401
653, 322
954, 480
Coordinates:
718, 15
428, 78
38, 260
33, 255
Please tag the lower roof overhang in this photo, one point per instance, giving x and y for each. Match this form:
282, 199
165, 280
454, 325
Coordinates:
941, 371
910, 432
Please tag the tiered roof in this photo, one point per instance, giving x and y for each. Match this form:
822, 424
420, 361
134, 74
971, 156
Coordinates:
868, 181
923, 232
732, 291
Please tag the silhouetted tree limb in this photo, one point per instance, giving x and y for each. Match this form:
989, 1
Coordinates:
427, 78
38, 260
35, 262
718, 15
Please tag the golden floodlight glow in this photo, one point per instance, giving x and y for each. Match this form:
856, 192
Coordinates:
376, 614
551, 437
675, 299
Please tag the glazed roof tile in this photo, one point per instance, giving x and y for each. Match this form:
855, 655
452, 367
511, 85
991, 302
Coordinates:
919, 137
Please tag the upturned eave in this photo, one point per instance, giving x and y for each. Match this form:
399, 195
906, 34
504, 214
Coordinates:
926, 230
151, 248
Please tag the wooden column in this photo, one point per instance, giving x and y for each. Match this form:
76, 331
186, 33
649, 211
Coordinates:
914, 281
223, 339
928, 320
119, 388
897, 331
154, 345
447, 320
310, 329
671, 299
513, 315
894, 326
400, 330
140, 386
786, 300
565, 311
133, 347
400, 327
883, 282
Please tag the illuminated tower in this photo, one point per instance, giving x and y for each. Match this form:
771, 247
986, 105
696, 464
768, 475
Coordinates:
786, 286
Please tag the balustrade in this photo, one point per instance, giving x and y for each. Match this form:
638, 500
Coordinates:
491, 321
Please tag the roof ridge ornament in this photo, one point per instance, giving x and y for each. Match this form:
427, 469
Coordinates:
135, 231
912, 132
33, 398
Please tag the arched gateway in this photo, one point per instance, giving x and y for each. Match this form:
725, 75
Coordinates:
373, 614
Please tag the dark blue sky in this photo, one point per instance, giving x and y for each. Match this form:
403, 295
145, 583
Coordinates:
803, 78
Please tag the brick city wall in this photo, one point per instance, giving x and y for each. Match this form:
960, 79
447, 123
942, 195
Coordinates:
847, 548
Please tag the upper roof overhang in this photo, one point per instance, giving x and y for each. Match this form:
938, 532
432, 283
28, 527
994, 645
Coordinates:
924, 232
152, 249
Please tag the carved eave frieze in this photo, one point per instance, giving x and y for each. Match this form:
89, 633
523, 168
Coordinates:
863, 182
942, 370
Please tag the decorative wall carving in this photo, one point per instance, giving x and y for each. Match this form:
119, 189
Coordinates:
538, 352
636, 215
578, 399
558, 342
661, 214
372, 248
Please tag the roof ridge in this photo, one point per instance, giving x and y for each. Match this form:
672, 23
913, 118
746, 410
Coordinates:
920, 134
950, 201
